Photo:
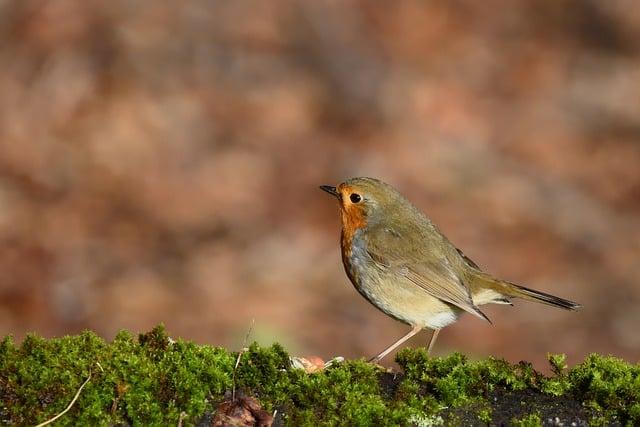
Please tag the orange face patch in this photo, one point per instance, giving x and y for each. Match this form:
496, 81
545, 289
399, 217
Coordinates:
353, 218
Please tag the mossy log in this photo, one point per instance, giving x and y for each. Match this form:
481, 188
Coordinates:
153, 380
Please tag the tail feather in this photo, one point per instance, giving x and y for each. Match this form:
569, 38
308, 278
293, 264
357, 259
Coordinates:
511, 290
537, 296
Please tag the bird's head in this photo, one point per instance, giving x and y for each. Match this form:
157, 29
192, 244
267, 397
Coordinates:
364, 201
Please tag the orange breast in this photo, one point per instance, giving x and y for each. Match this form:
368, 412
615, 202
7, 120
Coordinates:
353, 219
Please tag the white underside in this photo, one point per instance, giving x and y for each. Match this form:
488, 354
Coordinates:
441, 320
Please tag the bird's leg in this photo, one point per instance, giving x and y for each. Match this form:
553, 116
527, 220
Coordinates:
393, 346
432, 341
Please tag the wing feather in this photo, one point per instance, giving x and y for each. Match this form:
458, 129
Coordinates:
433, 274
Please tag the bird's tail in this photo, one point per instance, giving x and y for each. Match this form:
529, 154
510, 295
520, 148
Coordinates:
483, 281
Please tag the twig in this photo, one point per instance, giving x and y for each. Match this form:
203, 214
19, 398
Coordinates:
49, 421
242, 350
183, 415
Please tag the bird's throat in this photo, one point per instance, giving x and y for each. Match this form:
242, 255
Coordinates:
352, 220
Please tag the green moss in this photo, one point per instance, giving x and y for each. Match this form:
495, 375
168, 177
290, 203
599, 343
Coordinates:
453, 380
558, 363
136, 382
151, 380
609, 385
531, 420
484, 415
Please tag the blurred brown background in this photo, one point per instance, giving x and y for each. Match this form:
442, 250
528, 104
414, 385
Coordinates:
159, 162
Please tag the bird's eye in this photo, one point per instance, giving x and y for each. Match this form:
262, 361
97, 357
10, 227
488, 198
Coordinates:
355, 198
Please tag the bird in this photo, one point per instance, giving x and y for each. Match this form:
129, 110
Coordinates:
399, 260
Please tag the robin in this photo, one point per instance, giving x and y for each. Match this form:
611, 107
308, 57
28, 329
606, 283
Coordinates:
401, 263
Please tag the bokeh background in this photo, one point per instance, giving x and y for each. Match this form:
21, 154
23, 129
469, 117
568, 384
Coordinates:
159, 162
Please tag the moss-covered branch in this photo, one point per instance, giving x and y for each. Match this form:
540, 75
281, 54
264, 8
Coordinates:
154, 381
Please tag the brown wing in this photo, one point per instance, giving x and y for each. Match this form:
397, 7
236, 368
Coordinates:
425, 268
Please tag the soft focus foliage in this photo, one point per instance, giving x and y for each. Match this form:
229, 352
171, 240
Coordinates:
159, 161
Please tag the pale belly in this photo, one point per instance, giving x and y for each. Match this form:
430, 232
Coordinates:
395, 295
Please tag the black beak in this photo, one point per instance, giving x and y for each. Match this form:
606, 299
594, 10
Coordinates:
331, 190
